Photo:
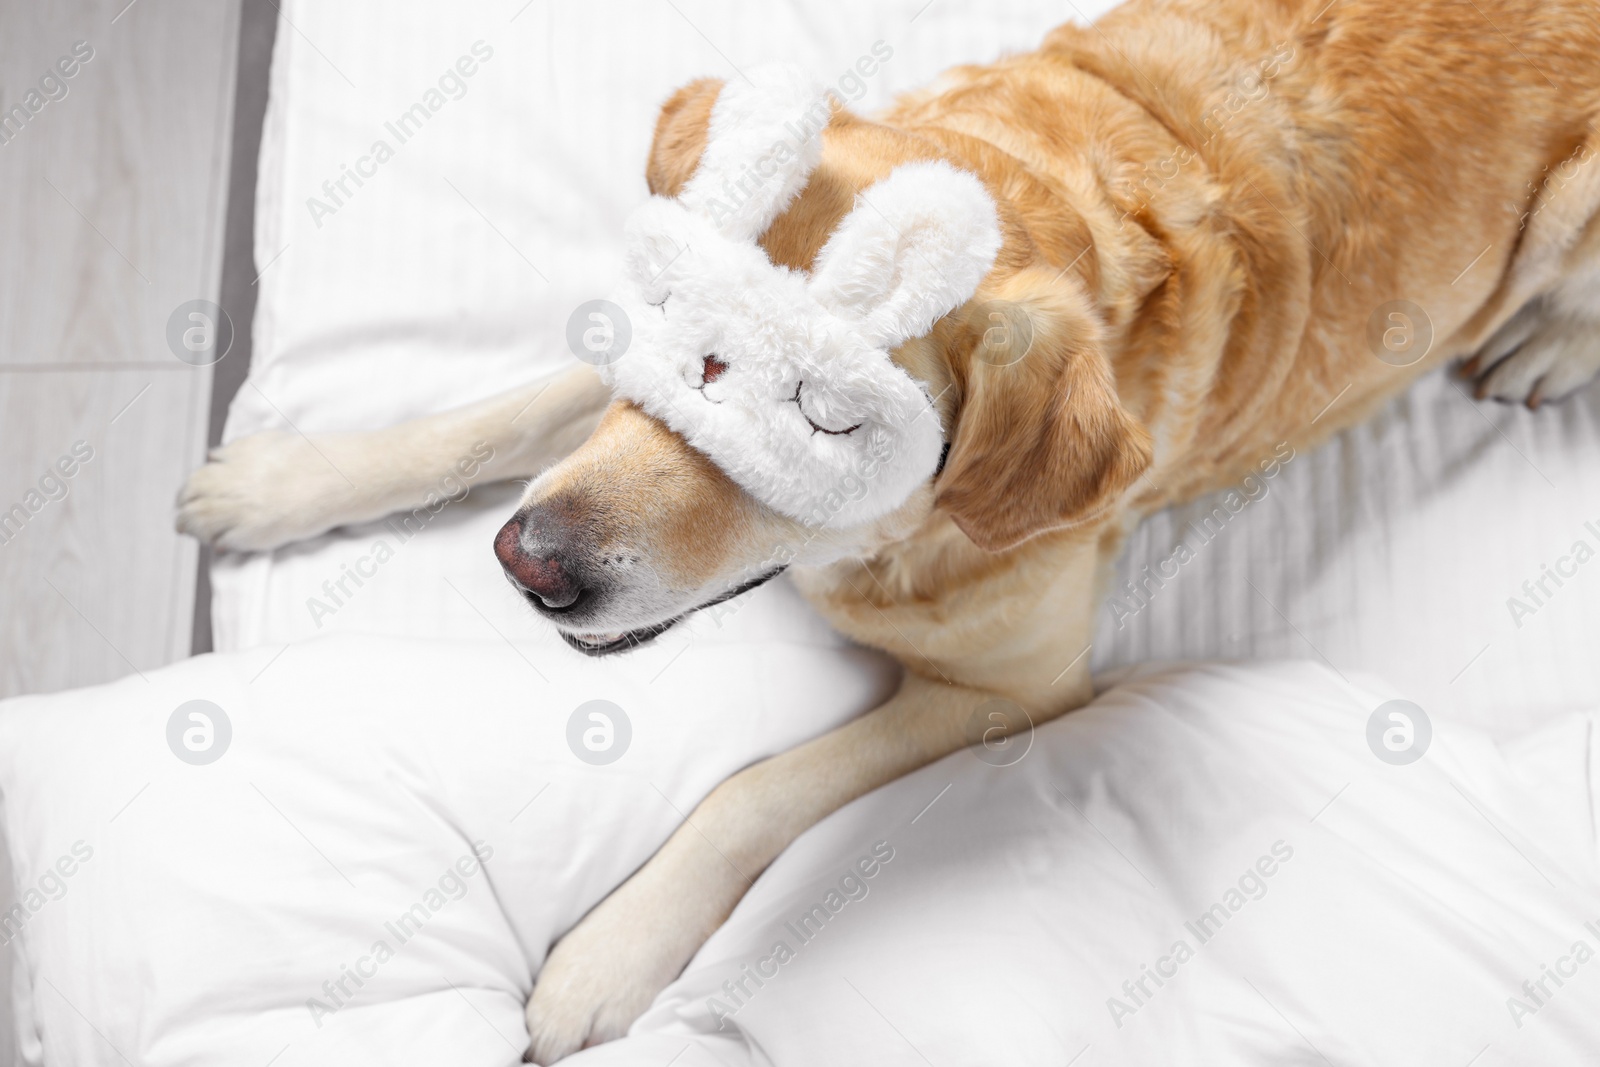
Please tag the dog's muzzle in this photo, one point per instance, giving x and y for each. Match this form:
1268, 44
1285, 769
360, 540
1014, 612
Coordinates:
536, 550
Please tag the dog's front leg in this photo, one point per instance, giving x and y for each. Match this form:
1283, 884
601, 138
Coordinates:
609, 967
272, 488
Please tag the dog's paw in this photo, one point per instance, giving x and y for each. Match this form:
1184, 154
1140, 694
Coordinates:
604, 973
1537, 356
260, 492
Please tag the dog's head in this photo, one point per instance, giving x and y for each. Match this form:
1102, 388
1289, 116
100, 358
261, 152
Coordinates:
809, 376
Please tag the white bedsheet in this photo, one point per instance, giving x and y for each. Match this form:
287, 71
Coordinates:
1358, 913
451, 273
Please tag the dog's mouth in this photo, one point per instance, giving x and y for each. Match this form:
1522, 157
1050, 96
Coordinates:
607, 643
617, 641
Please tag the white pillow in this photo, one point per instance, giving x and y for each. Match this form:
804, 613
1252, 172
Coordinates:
1395, 913
177, 913
188, 914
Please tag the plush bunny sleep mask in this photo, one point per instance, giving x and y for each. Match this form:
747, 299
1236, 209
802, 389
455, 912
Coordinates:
783, 380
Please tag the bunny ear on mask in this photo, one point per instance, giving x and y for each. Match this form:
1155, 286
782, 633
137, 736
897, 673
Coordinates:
913, 249
763, 142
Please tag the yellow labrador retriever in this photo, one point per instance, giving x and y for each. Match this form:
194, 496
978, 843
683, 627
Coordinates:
941, 361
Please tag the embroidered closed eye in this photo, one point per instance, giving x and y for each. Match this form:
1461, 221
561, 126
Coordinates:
815, 428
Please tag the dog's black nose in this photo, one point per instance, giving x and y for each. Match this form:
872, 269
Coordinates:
530, 547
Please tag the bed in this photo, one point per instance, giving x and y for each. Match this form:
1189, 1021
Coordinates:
383, 738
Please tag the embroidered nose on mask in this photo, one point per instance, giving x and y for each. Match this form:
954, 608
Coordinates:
712, 369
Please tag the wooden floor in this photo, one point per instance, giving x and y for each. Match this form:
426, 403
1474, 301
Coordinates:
112, 202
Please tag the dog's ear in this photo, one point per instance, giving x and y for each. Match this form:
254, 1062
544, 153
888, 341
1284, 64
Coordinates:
680, 140
1041, 440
